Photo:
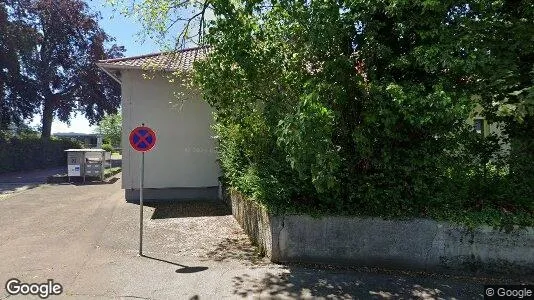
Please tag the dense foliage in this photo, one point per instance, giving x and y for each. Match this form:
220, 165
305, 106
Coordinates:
111, 128
27, 151
107, 147
49, 49
17, 100
362, 107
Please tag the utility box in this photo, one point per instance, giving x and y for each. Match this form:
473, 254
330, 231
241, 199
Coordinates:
74, 163
86, 162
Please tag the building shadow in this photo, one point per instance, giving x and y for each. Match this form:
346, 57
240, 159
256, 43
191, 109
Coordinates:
297, 282
188, 209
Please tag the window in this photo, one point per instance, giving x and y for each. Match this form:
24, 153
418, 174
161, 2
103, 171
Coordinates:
479, 126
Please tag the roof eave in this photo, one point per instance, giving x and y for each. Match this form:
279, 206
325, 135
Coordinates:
104, 67
107, 66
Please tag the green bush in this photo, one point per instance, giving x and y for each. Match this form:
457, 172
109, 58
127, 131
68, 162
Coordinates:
31, 152
107, 147
360, 107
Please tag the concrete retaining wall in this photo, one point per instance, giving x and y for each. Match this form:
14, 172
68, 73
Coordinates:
255, 221
418, 244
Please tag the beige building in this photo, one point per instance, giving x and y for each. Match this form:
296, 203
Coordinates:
88, 140
183, 163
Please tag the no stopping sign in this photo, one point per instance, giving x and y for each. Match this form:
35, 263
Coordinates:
142, 139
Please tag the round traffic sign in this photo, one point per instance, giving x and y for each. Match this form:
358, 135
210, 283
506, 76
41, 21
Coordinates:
142, 139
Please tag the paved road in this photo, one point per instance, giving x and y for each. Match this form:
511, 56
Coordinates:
19, 181
86, 237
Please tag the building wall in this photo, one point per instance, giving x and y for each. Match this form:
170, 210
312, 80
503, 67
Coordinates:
490, 128
185, 154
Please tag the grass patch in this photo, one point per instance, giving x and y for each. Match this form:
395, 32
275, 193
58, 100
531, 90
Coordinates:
112, 171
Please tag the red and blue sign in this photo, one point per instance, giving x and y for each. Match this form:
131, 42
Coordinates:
142, 139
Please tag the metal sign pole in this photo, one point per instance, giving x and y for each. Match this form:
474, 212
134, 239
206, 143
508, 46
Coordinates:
141, 203
142, 139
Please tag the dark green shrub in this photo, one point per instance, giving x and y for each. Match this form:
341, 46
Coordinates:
360, 107
31, 152
107, 147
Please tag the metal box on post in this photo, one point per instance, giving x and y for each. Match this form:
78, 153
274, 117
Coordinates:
75, 163
86, 162
94, 163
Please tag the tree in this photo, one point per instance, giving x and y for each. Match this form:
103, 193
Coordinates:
17, 92
67, 43
111, 127
171, 23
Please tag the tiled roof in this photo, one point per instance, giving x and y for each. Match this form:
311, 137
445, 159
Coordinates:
168, 61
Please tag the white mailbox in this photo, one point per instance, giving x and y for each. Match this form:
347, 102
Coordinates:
86, 162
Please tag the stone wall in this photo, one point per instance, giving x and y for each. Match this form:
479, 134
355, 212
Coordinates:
255, 221
417, 244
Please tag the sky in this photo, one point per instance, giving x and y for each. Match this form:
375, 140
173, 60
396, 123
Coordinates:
125, 30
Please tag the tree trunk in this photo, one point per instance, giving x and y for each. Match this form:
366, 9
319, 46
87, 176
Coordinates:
2, 122
48, 117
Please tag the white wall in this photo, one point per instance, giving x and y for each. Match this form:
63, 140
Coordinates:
185, 154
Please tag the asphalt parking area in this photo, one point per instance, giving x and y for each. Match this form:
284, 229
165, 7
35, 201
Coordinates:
14, 182
85, 237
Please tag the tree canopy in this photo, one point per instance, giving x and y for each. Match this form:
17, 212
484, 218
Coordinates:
111, 128
17, 96
56, 69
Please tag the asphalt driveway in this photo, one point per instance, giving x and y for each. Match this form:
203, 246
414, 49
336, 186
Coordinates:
18, 181
85, 237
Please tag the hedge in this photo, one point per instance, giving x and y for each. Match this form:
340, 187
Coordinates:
30, 153
362, 108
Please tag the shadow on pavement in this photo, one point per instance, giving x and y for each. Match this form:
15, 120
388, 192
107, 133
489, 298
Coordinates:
22, 180
9, 188
237, 248
78, 181
183, 270
189, 209
301, 282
